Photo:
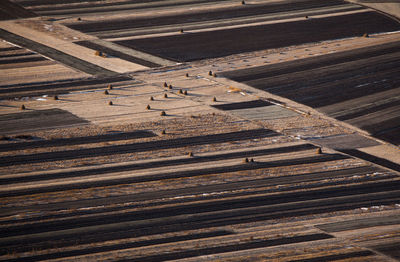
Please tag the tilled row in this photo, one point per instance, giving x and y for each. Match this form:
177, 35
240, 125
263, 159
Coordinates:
20, 190
154, 164
62, 87
136, 147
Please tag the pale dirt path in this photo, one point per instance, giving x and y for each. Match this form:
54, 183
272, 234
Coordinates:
86, 54
389, 152
391, 7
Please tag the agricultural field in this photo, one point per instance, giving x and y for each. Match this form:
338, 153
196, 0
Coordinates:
199, 130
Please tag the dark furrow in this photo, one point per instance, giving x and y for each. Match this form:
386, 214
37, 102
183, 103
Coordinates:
373, 159
76, 140
242, 105
64, 83
364, 111
61, 87
320, 99
25, 59
17, 55
12, 48
328, 74
10, 10
340, 89
382, 126
29, 120
391, 135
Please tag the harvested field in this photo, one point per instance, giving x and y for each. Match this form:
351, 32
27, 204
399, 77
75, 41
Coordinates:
230, 154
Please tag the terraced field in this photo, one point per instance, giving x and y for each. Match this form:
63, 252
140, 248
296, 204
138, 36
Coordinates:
198, 130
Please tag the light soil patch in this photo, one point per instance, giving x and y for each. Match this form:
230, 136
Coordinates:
41, 73
54, 29
389, 152
391, 7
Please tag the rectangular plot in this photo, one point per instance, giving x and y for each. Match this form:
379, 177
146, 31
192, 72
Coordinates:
243, 105
25, 121
265, 113
234, 247
219, 43
371, 158
77, 140
346, 256
359, 224
389, 249
345, 141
